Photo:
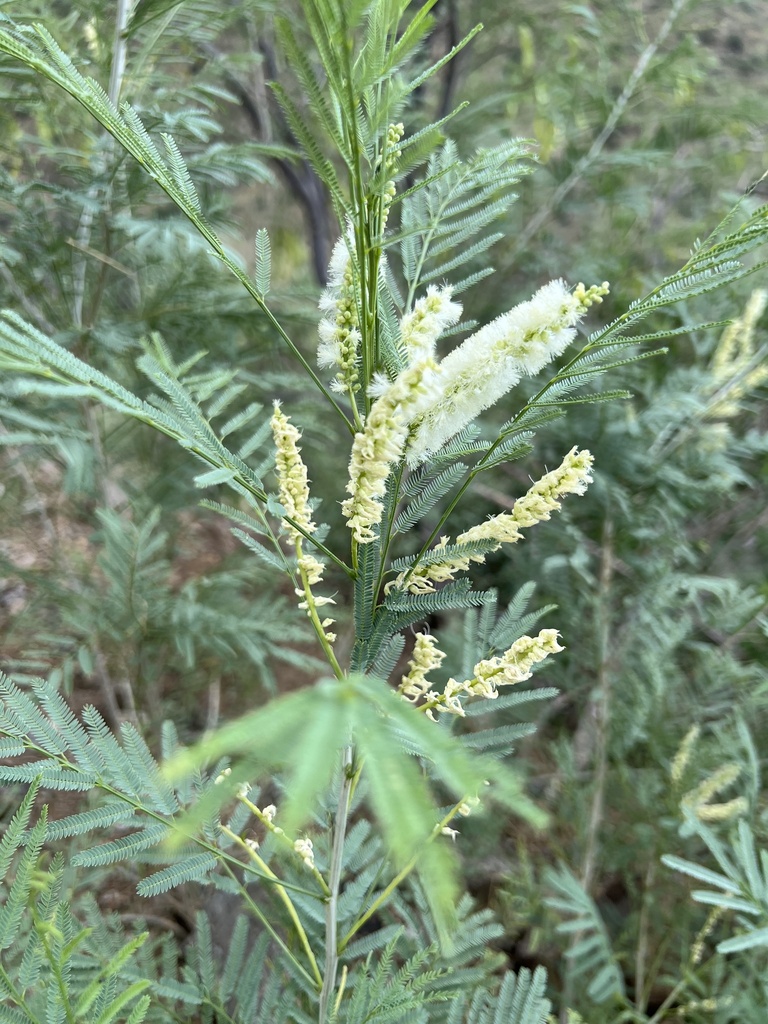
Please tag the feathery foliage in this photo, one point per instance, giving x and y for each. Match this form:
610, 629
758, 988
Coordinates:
360, 763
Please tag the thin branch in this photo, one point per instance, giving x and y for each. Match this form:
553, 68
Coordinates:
618, 108
602, 707
83, 237
299, 176
334, 884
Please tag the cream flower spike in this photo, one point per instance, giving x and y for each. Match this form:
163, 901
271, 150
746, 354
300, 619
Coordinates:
514, 666
380, 445
430, 316
508, 669
731, 374
426, 656
492, 360
294, 497
572, 476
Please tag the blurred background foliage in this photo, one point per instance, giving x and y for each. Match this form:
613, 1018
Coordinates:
649, 121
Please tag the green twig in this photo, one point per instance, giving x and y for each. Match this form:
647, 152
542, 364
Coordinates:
399, 877
280, 890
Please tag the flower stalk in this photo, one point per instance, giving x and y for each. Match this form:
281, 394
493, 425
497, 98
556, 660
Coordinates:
253, 855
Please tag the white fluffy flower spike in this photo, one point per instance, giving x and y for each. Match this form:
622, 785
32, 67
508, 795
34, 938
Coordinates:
492, 360
430, 316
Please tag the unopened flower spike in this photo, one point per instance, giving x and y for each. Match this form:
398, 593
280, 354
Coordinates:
395, 134
339, 329
467, 806
305, 850
291, 474
492, 360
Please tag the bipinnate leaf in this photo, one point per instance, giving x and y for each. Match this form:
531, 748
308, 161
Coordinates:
263, 262
302, 735
15, 831
743, 887
591, 954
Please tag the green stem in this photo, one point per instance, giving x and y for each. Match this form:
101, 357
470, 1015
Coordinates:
334, 882
357, 194
261, 916
60, 984
314, 617
220, 854
16, 996
354, 559
399, 878
670, 1000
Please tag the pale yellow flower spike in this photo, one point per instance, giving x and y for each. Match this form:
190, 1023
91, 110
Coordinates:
514, 666
380, 444
723, 812
572, 476
426, 656
697, 949
731, 360
294, 497
699, 799
682, 758
291, 474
